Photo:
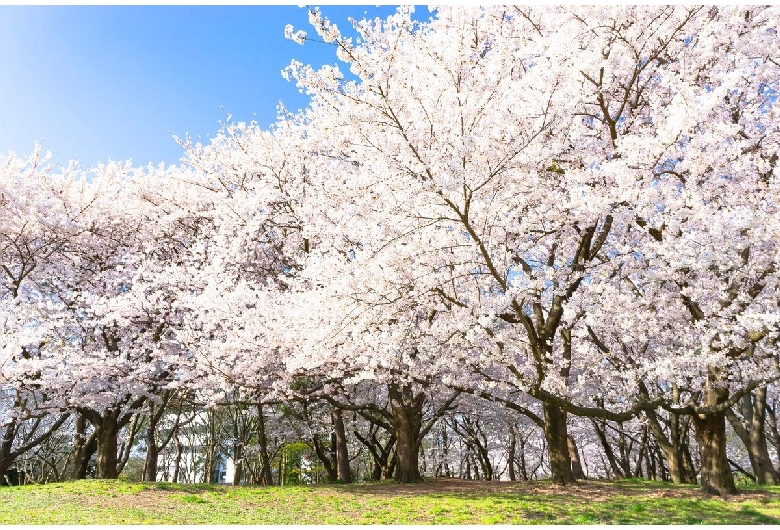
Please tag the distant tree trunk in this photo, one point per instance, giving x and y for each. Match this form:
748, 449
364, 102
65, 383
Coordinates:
511, 456
574, 454
127, 445
342, 456
601, 433
282, 466
523, 465
266, 476
445, 442
751, 430
152, 455
555, 432
381, 454
328, 461
771, 425
152, 448
177, 459
83, 448
238, 457
675, 447
8, 453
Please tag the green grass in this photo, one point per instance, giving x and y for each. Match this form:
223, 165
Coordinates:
433, 502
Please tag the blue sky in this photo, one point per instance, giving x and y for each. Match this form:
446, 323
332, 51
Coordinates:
94, 83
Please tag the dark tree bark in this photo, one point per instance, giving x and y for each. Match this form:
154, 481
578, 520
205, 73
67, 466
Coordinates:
407, 424
152, 456
556, 434
511, 455
405, 421
771, 425
342, 456
156, 412
83, 448
107, 431
266, 476
601, 432
472, 434
107, 426
522, 463
716, 476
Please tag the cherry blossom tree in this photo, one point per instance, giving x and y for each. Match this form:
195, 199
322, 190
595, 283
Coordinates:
533, 202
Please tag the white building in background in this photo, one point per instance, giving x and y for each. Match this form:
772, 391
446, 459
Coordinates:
191, 467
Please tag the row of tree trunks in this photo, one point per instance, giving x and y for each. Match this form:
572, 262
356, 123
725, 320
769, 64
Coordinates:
382, 453
36, 434
562, 451
751, 429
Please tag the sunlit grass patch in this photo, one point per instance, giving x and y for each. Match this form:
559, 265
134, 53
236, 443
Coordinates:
434, 502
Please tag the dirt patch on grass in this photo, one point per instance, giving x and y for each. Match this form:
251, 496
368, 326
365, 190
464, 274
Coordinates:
162, 499
586, 490
152, 498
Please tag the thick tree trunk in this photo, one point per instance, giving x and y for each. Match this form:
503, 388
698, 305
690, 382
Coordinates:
407, 450
407, 423
4, 465
342, 456
716, 477
556, 434
107, 432
760, 459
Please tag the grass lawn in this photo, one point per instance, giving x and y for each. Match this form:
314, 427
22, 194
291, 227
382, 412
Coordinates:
439, 501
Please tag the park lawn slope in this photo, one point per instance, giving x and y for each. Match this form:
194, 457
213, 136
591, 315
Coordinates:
439, 501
